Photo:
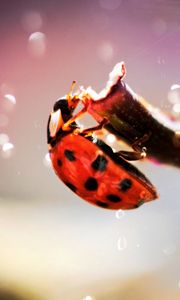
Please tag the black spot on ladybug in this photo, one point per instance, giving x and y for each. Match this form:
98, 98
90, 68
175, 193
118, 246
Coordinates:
69, 155
59, 162
99, 163
102, 204
91, 184
114, 198
125, 184
71, 186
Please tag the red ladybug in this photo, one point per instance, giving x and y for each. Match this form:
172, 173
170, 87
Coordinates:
89, 167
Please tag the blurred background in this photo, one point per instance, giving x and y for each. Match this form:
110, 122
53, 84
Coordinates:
53, 245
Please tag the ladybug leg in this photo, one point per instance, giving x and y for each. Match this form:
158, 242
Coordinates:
137, 145
132, 155
67, 126
90, 130
139, 151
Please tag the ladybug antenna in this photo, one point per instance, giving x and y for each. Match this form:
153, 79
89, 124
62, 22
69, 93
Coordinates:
69, 95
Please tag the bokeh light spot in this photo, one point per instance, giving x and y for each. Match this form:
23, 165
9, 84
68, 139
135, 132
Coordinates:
122, 243
110, 138
37, 44
169, 249
176, 108
120, 214
3, 138
7, 146
105, 51
174, 94
7, 150
11, 98
47, 160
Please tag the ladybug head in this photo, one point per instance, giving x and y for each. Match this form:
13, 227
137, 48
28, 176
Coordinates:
62, 111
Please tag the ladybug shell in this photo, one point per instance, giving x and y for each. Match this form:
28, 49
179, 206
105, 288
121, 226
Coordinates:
95, 174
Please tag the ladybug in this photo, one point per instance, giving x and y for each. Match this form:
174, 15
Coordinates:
89, 167
130, 118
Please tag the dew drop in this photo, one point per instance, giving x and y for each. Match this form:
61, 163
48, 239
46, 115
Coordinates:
174, 94
7, 146
11, 98
7, 149
169, 249
9, 102
37, 44
175, 86
47, 160
122, 243
110, 138
120, 214
3, 138
105, 51
176, 108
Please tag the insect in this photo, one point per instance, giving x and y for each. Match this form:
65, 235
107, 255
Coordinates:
89, 167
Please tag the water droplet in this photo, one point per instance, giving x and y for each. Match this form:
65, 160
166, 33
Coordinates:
120, 214
161, 61
37, 44
175, 86
8, 103
11, 98
7, 146
176, 108
7, 149
47, 160
169, 249
122, 243
174, 94
106, 51
3, 138
32, 21
110, 4
110, 138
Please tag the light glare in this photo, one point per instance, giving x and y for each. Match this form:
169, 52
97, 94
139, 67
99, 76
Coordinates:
7, 146
11, 98
3, 138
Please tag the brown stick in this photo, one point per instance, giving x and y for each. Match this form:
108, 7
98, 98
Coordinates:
131, 119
